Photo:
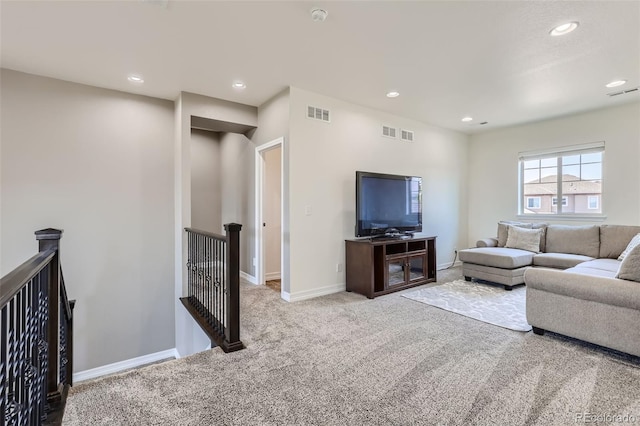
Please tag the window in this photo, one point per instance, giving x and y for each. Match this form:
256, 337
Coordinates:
533, 202
571, 174
565, 201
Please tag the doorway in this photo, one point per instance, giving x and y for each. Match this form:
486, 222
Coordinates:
269, 240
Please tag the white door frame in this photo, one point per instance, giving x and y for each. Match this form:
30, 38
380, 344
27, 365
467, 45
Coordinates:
259, 239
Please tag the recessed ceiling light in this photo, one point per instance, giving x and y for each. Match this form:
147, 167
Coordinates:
467, 119
239, 85
393, 94
616, 83
564, 28
135, 78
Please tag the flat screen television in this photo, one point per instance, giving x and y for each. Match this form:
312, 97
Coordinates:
387, 205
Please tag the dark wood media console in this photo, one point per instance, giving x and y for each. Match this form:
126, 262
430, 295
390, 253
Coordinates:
381, 266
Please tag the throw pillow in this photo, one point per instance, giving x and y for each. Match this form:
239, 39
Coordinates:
503, 227
630, 266
524, 239
543, 235
633, 243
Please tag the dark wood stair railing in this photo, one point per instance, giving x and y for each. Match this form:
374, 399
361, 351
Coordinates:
213, 284
36, 338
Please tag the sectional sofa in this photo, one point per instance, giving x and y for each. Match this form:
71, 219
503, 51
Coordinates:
571, 278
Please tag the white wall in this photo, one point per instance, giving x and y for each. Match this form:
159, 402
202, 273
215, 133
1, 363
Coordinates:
189, 338
493, 164
273, 123
98, 164
272, 212
323, 159
236, 161
206, 181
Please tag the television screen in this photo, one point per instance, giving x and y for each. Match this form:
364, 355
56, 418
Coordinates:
387, 204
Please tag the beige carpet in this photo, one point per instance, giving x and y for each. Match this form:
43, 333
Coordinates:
346, 360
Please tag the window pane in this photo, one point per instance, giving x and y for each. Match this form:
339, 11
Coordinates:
571, 173
549, 174
592, 171
542, 193
531, 176
595, 157
549, 162
571, 159
532, 164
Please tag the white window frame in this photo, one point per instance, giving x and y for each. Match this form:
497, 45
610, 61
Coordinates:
591, 197
559, 153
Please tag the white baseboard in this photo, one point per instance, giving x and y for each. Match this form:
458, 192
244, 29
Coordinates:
272, 276
316, 292
116, 367
250, 278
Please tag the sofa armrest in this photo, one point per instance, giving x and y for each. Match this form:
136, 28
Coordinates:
611, 291
487, 242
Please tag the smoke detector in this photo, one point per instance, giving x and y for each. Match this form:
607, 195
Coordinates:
318, 15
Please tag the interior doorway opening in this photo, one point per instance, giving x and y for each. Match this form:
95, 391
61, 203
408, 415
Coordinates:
269, 214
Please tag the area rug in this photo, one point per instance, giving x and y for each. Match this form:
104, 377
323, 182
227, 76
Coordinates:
483, 302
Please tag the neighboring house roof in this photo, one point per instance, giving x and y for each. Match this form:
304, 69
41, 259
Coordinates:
571, 185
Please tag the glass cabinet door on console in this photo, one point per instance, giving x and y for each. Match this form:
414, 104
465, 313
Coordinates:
396, 272
417, 268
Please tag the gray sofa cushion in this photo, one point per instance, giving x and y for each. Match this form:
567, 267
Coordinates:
503, 230
543, 235
630, 266
610, 265
635, 241
582, 240
614, 239
559, 260
499, 257
593, 272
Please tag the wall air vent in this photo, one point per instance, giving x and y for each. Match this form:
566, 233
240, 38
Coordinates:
406, 135
623, 92
389, 132
318, 114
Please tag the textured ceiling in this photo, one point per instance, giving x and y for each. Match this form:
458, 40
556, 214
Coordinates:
494, 61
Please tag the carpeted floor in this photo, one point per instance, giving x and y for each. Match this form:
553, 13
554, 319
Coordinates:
345, 360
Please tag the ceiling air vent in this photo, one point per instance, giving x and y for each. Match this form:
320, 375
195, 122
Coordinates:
389, 132
318, 114
635, 89
406, 135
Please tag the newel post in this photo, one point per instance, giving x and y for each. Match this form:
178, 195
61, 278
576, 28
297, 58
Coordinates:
49, 239
232, 330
